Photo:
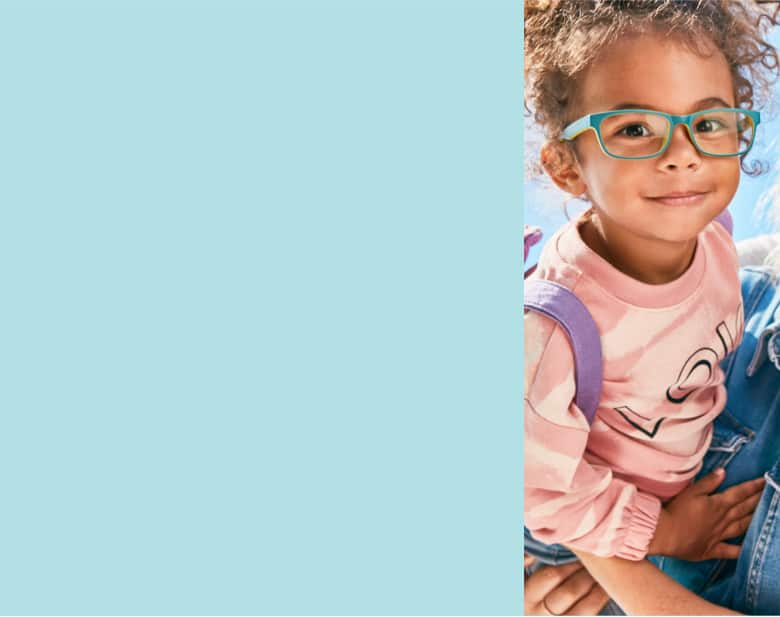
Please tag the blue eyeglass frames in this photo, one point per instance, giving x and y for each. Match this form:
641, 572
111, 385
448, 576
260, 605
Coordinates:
644, 134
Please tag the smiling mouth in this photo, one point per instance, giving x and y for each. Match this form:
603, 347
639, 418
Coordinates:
681, 198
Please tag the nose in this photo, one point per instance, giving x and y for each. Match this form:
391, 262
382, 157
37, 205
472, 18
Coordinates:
681, 153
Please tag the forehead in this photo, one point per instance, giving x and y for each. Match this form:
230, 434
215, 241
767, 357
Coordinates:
656, 72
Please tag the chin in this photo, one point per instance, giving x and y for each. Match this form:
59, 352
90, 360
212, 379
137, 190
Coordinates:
680, 224
678, 234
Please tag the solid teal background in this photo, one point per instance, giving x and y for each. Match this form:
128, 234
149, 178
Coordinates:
260, 319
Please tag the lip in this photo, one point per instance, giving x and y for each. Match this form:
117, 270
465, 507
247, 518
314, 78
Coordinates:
681, 198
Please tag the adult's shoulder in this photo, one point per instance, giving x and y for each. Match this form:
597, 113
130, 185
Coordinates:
760, 275
760, 290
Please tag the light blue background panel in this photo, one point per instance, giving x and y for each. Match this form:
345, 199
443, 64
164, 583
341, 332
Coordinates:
260, 336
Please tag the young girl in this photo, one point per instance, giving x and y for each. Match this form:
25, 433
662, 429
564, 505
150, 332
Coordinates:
647, 109
751, 584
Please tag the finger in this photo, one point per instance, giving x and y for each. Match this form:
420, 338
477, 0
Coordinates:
723, 551
737, 528
745, 507
740, 492
709, 483
544, 580
569, 592
746, 489
528, 560
591, 604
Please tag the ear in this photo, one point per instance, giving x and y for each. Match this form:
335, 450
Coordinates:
559, 163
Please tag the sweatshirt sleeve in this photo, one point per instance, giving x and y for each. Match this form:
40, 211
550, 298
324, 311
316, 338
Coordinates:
567, 499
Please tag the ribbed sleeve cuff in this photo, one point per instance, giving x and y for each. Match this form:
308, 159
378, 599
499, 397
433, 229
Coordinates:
641, 519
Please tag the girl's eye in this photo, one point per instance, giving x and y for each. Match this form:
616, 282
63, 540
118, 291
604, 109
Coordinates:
709, 125
635, 130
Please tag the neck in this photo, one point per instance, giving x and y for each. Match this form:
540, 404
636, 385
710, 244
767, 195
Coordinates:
647, 260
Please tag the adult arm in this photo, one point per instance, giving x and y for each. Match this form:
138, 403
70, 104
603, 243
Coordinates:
658, 594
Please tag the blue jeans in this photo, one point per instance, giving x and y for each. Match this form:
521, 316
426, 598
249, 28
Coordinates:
746, 442
548, 554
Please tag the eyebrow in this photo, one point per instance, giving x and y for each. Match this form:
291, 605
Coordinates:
702, 104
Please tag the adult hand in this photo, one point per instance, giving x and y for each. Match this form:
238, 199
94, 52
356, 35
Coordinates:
562, 590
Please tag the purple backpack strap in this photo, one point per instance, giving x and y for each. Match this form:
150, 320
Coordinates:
531, 236
724, 218
561, 305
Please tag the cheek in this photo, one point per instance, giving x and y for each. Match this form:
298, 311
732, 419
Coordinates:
729, 176
736, 174
597, 169
613, 181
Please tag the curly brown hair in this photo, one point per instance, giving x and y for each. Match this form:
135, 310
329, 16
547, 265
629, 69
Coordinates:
562, 38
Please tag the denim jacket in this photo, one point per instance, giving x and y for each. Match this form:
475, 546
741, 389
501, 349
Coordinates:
746, 441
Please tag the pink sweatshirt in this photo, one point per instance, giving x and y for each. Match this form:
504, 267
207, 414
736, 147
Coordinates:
599, 488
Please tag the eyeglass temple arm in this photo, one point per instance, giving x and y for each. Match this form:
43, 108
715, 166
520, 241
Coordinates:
575, 128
